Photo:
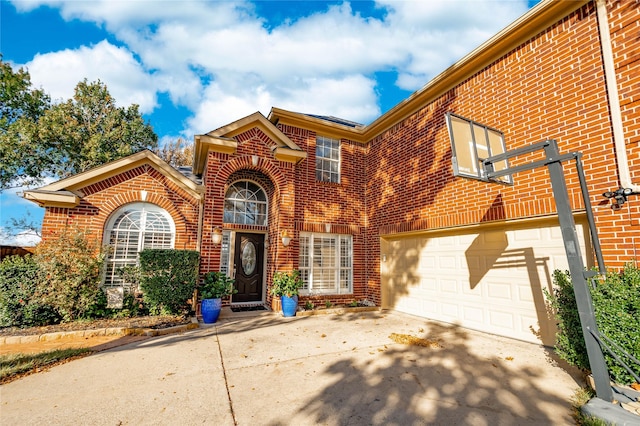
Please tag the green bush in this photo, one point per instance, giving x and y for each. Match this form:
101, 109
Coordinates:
168, 279
132, 306
71, 265
616, 300
20, 302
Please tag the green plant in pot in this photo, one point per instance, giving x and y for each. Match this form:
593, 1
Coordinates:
287, 285
216, 285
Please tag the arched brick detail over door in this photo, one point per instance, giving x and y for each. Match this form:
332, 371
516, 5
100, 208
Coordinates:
276, 178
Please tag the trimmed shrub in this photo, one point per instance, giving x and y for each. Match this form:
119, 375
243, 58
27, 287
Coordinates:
168, 279
20, 302
616, 300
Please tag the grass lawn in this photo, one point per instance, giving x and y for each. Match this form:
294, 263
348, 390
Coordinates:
15, 365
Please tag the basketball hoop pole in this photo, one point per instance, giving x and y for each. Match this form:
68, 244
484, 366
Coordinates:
579, 276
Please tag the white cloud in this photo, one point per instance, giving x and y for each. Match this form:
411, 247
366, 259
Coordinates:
59, 73
351, 96
221, 61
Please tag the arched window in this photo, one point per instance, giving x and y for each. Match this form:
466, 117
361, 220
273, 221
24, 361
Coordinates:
245, 203
131, 229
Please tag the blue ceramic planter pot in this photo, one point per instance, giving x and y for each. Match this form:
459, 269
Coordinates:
210, 310
289, 305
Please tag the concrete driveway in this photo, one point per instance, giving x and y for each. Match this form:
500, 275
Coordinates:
331, 369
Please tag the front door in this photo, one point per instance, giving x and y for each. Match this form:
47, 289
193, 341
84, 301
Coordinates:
247, 262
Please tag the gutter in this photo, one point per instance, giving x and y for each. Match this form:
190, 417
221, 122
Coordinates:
614, 101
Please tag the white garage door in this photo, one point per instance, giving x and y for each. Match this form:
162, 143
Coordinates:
490, 280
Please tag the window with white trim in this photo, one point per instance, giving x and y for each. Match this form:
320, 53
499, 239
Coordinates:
131, 229
327, 159
326, 265
245, 203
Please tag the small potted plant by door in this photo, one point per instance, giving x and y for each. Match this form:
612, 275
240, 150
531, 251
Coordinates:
286, 285
216, 285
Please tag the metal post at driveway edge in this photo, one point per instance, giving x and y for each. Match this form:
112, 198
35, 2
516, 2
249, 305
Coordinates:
578, 274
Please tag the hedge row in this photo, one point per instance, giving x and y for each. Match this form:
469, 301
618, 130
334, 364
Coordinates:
616, 300
62, 282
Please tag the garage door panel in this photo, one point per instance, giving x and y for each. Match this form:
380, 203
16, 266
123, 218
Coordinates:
474, 314
502, 320
525, 236
495, 238
526, 293
428, 262
430, 307
447, 262
475, 263
449, 286
490, 280
429, 284
500, 291
450, 311
475, 294
445, 242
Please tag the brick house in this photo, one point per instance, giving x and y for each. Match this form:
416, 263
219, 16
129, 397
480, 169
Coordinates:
397, 212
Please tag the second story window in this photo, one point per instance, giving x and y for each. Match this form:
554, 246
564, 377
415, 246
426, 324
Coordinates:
327, 159
245, 203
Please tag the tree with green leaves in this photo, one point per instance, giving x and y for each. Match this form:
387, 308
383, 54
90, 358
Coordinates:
38, 138
89, 130
22, 156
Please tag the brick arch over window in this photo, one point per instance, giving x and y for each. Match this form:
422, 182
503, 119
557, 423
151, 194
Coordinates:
264, 183
267, 168
123, 198
275, 179
131, 229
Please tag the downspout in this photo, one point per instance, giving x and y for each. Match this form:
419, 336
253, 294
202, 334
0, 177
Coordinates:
614, 101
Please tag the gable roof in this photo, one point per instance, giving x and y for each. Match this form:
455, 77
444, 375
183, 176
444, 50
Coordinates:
223, 140
66, 192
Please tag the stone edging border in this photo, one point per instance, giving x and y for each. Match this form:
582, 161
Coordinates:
111, 331
337, 311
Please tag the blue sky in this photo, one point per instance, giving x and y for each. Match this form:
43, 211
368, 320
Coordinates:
193, 66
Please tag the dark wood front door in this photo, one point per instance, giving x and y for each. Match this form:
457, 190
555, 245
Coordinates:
247, 261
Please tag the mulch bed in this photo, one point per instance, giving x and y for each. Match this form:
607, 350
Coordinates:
155, 322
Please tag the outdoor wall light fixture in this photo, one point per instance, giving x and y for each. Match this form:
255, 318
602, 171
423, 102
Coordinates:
286, 239
619, 196
216, 236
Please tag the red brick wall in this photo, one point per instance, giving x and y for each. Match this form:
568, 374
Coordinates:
102, 199
341, 205
275, 177
296, 201
551, 87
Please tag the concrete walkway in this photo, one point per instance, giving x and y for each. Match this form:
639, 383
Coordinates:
335, 370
